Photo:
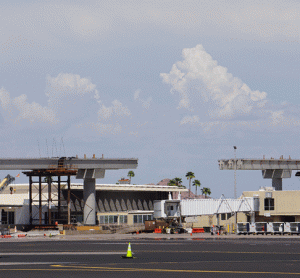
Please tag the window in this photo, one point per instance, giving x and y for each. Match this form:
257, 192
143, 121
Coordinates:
11, 217
223, 216
123, 219
228, 215
4, 217
108, 219
141, 218
7, 217
269, 204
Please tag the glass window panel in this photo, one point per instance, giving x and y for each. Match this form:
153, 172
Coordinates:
140, 218
11, 217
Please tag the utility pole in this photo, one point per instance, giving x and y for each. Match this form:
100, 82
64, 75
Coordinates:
235, 226
234, 147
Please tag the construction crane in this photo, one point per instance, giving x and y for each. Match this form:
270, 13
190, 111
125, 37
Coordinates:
6, 181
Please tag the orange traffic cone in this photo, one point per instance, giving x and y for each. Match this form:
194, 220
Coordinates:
129, 254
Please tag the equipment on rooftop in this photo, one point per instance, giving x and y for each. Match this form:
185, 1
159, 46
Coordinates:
6, 181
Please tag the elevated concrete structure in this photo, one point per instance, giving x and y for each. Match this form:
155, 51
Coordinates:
87, 169
67, 163
275, 169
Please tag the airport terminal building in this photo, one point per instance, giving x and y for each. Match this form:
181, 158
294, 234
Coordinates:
116, 203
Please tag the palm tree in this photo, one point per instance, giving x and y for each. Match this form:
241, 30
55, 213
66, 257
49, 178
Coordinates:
190, 176
178, 181
130, 175
197, 184
206, 191
172, 182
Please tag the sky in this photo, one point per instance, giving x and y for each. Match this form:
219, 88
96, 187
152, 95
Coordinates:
175, 84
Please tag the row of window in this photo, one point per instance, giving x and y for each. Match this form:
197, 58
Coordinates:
113, 219
7, 217
122, 219
268, 205
141, 218
225, 216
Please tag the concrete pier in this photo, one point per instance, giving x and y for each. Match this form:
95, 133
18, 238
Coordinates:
89, 197
277, 183
275, 169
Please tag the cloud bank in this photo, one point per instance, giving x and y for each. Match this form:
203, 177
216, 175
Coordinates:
72, 100
217, 96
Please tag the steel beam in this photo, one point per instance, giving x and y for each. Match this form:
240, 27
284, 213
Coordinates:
40, 201
58, 197
30, 200
49, 200
69, 200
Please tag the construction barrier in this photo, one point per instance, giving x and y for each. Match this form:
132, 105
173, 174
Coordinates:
197, 230
21, 235
157, 231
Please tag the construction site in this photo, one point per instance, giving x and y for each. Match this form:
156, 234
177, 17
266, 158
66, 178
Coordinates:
51, 201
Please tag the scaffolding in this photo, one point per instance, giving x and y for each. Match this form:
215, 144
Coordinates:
50, 179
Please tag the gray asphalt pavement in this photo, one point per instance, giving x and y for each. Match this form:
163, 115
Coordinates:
174, 256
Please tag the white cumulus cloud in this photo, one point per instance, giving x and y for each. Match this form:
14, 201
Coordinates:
199, 79
145, 102
117, 109
218, 99
18, 108
190, 120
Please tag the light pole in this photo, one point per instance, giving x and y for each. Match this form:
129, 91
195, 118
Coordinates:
234, 147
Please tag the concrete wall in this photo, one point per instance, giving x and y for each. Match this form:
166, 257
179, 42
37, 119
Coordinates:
286, 203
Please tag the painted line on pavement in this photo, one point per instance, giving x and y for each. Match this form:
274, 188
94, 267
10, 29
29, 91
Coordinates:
139, 251
61, 253
118, 269
31, 263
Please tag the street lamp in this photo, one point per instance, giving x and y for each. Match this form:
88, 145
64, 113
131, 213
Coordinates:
234, 147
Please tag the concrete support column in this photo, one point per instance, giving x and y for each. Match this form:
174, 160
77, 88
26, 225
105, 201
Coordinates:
277, 183
89, 197
252, 217
218, 219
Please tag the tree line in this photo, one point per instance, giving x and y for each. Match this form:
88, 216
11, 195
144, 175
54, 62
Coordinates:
190, 176
178, 182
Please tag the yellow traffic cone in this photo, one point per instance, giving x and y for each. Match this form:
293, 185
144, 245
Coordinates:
129, 254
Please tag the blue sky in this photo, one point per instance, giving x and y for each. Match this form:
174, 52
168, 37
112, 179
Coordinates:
175, 84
